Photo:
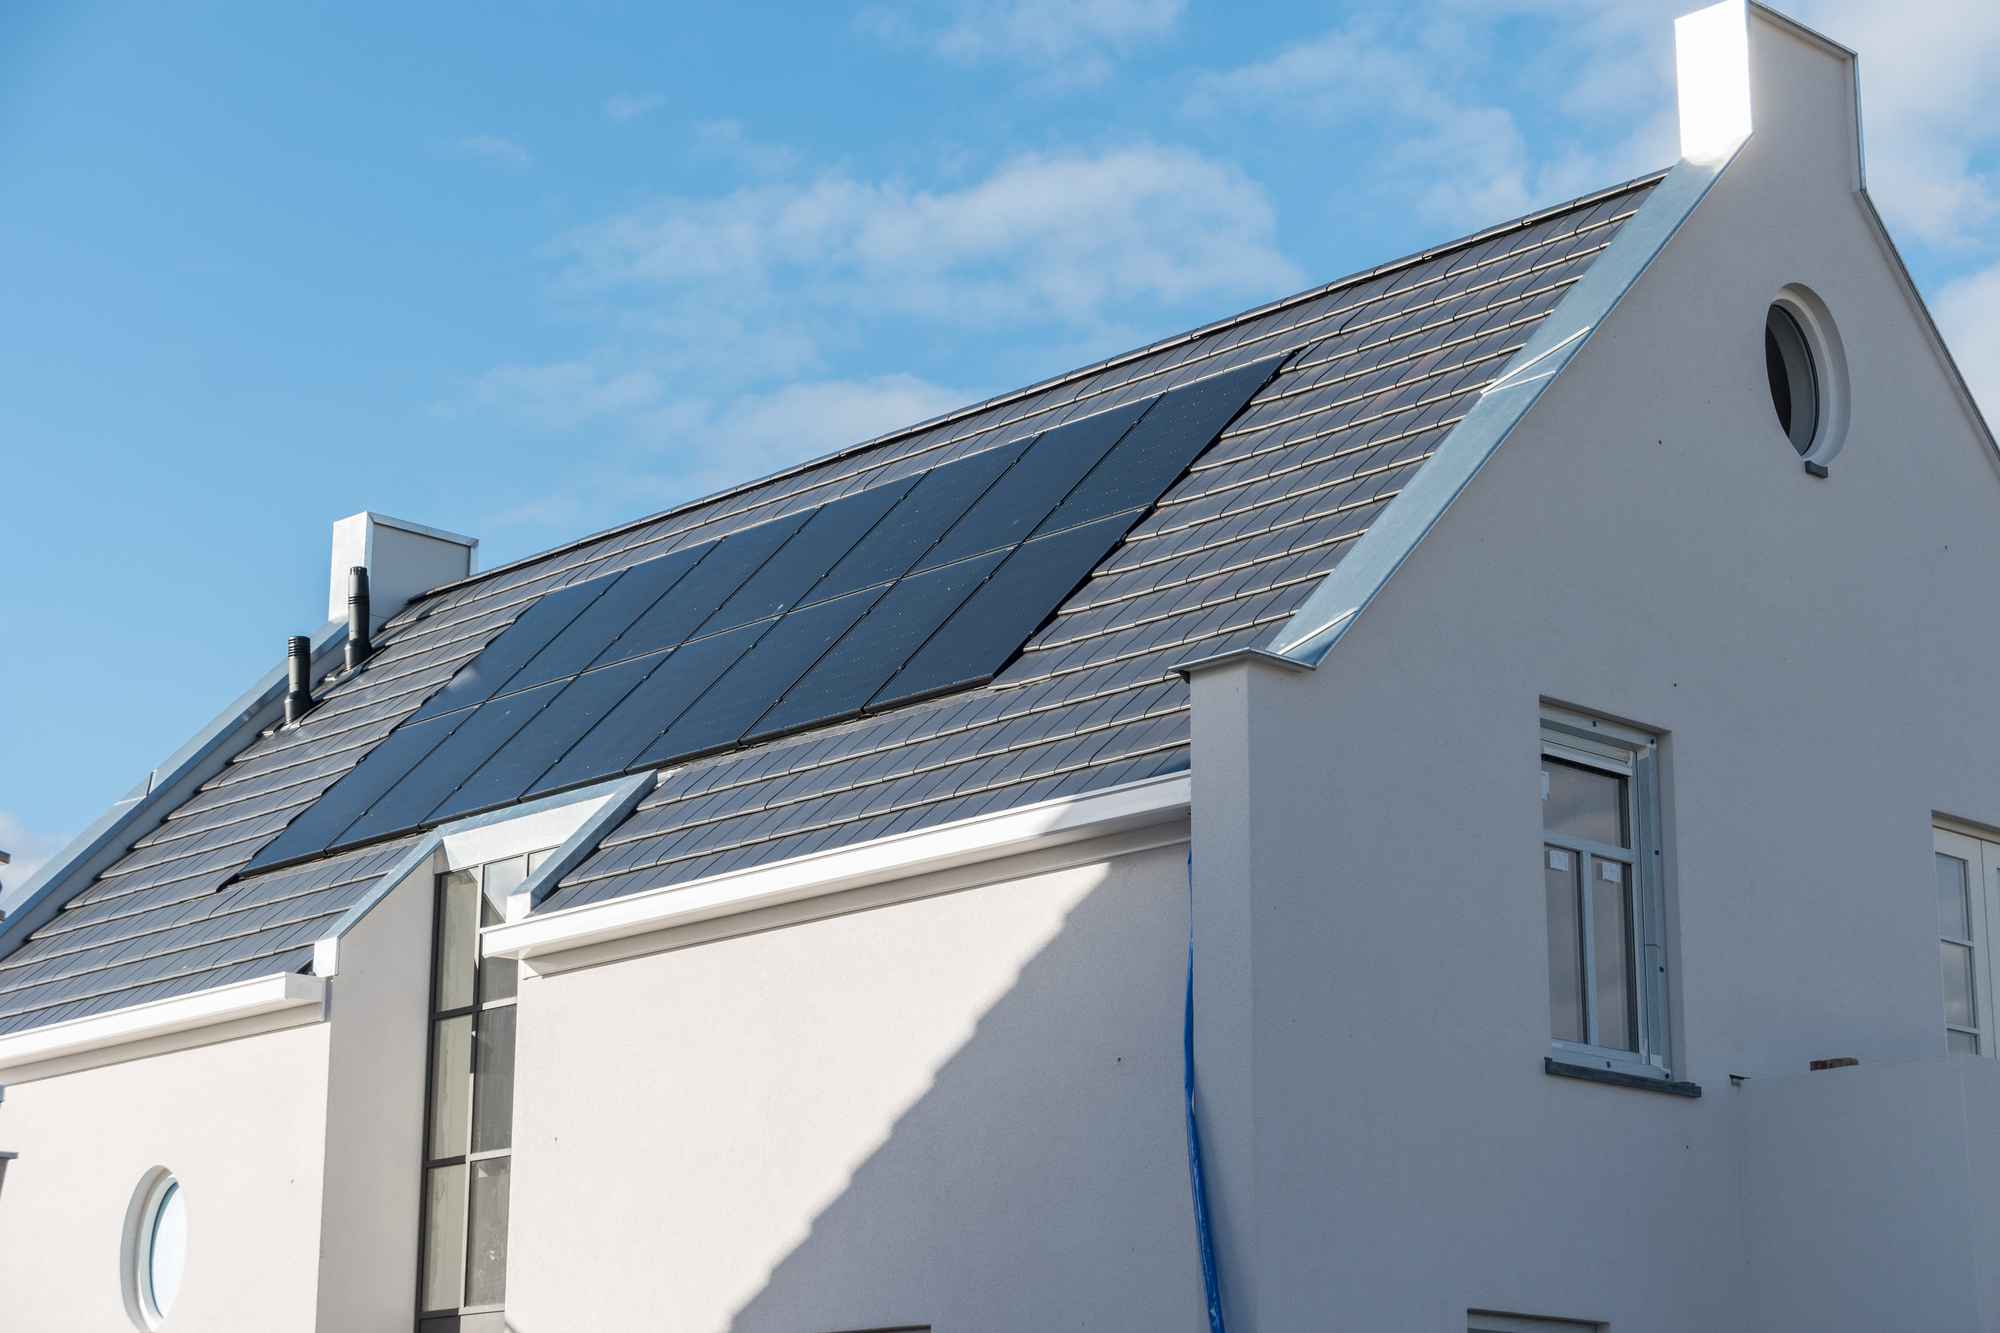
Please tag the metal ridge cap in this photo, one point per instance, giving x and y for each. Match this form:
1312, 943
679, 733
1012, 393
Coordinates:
112, 834
1353, 584
1519, 223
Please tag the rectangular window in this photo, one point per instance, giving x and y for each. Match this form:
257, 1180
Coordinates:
1968, 874
469, 1106
1601, 877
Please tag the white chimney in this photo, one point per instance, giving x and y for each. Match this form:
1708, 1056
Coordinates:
402, 558
1712, 67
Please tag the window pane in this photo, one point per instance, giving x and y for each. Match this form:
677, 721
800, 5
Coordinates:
486, 1256
493, 1124
1616, 1001
444, 1237
1584, 803
1959, 1007
1565, 944
166, 1250
498, 976
1954, 903
451, 1085
537, 859
458, 937
1961, 1043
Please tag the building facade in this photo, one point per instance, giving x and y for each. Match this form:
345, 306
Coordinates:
1521, 714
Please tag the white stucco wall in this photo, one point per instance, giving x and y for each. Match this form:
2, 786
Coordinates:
241, 1123
961, 1112
1819, 656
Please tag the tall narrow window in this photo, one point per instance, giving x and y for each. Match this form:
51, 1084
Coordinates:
1966, 870
469, 1113
1601, 877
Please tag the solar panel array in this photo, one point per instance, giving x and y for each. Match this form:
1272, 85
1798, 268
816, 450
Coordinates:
914, 588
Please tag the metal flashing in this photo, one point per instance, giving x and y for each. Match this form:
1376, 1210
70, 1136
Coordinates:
1246, 656
101, 1035
592, 810
1324, 617
163, 788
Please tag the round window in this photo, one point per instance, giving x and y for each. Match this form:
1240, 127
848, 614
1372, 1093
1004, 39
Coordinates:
155, 1249
1795, 391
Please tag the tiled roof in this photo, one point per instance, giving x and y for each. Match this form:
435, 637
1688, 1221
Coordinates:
1377, 370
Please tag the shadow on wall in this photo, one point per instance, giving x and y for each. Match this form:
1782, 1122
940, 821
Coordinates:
1041, 1181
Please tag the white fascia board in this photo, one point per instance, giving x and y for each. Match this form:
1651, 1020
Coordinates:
819, 874
160, 791
572, 822
1324, 617
104, 1033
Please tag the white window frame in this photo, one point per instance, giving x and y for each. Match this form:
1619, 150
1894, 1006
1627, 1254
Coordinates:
1627, 752
1981, 855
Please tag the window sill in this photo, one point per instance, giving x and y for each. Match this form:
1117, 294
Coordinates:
1616, 1079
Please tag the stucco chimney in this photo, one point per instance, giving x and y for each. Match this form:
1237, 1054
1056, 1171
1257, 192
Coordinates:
402, 558
1712, 69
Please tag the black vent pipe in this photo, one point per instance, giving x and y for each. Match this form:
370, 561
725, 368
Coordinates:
358, 644
298, 672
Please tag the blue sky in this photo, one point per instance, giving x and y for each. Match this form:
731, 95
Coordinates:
529, 274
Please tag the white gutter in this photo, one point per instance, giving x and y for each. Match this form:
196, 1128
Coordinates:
300, 998
982, 838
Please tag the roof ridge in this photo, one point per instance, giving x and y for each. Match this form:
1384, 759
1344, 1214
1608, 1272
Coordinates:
1523, 222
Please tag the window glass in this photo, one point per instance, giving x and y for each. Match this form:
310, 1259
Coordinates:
1617, 995
1584, 803
451, 1084
486, 1254
1960, 1007
1565, 955
457, 937
493, 1125
444, 1237
166, 1249
1954, 902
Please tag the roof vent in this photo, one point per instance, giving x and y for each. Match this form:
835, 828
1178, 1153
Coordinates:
403, 560
298, 678
358, 624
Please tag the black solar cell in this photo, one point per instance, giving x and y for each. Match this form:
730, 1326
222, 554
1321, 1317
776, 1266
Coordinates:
630, 596
723, 568
492, 671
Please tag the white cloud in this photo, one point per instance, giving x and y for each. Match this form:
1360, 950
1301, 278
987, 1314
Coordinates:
30, 851
1071, 41
731, 141
565, 395
1045, 238
631, 106
1409, 85
490, 149
1968, 314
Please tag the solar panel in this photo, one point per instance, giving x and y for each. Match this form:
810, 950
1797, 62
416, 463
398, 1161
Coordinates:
894, 593
993, 623
842, 681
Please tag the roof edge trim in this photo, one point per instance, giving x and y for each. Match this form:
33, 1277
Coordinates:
1327, 615
101, 1039
163, 789
578, 820
1030, 828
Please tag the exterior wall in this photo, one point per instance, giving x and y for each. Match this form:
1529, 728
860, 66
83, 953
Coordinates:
1819, 656
241, 1123
960, 1111
375, 1095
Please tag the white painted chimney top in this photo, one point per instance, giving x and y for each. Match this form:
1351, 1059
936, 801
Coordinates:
403, 559
1712, 68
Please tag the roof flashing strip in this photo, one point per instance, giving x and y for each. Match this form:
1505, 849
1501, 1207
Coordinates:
573, 822
1031, 828
163, 789
282, 999
1324, 617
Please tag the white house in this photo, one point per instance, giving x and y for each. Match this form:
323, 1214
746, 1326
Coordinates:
1542, 687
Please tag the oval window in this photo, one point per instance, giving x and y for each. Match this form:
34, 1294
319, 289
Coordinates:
157, 1249
1795, 394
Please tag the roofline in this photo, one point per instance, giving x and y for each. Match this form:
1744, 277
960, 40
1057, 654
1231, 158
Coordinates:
1352, 586
260, 1004
1044, 825
162, 790
1522, 222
